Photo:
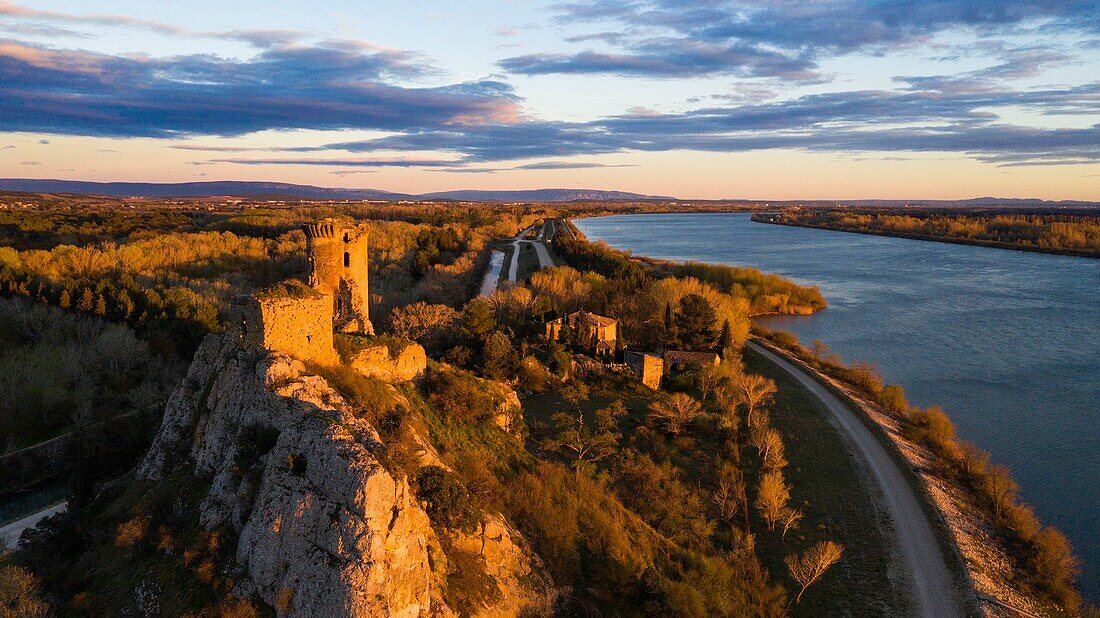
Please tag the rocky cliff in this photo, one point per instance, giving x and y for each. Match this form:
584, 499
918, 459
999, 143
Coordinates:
324, 529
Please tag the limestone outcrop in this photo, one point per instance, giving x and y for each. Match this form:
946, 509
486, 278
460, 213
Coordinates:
379, 360
324, 529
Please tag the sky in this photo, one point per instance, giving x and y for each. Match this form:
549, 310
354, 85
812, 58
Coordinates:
760, 99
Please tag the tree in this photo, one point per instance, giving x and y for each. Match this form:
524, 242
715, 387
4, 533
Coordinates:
19, 597
812, 564
675, 411
772, 497
754, 391
584, 442
696, 323
1000, 488
420, 321
478, 320
709, 377
972, 459
770, 445
789, 518
725, 340
670, 329
86, 304
500, 358
446, 500
731, 498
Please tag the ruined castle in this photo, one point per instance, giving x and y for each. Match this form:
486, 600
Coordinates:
299, 319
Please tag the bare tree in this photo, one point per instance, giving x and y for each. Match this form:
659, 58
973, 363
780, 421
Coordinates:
420, 321
811, 565
675, 411
772, 497
1000, 488
731, 499
770, 445
755, 391
789, 518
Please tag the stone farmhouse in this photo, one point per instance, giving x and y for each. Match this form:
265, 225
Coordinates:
594, 332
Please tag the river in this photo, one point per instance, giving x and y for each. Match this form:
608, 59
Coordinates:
1008, 342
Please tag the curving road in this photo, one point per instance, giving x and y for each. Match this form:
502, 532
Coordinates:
934, 591
540, 250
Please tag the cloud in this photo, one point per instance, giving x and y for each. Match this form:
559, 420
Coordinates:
341, 162
781, 38
259, 38
329, 85
670, 58
915, 120
565, 165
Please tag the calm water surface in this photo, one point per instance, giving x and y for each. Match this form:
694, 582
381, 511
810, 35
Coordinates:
1007, 342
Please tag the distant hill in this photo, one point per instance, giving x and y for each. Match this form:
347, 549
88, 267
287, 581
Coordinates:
283, 189
193, 189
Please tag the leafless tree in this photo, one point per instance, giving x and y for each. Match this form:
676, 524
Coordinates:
675, 411
731, 499
770, 445
420, 321
812, 564
789, 518
755, 391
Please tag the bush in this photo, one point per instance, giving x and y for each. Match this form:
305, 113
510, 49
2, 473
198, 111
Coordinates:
19, 596
459, 395
446, 500
892, 398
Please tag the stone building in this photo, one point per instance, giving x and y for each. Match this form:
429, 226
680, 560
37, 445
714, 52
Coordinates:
680, 360
288, 317
337, 255
595, 332
649, 367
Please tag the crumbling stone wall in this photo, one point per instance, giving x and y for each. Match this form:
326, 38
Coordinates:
649, 367
300, 327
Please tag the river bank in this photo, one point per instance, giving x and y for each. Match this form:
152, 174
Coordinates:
773, 219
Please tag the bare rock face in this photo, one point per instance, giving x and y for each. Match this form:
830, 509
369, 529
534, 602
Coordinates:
378, 361
324, 528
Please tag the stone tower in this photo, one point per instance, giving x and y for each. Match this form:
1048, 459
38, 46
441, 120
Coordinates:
337, 255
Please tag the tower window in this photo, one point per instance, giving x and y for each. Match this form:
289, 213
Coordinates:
347, 259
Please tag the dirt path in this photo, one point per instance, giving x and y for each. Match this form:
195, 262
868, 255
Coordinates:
934, 591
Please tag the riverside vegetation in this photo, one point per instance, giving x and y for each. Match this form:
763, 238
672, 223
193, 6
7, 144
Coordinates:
703, 499
1073, 234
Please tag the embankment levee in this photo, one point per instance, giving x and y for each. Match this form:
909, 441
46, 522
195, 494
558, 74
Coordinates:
941, 529
991, 244
978, 558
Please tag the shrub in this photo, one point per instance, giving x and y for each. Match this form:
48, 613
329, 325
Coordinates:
459, 395
19, 596
892, 398
446, 500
